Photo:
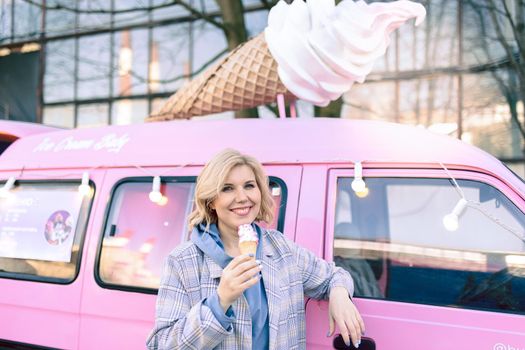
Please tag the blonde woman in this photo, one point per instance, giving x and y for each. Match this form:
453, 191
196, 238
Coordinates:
213, 297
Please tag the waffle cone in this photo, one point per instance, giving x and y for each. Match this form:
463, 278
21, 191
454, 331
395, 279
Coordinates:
246, 78
248, 247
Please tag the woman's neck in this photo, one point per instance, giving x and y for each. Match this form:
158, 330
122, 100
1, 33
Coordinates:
230, 240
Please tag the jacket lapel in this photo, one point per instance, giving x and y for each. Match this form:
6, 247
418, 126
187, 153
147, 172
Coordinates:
270, 274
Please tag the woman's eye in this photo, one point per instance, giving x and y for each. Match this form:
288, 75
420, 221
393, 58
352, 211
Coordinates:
227, 188
250, 185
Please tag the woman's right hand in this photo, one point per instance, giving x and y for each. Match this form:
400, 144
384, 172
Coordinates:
240, 274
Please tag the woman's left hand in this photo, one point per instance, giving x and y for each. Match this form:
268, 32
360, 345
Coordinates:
344, 313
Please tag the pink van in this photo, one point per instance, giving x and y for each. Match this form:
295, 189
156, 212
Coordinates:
431, 229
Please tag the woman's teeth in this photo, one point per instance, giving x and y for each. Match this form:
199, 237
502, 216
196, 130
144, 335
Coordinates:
241, 211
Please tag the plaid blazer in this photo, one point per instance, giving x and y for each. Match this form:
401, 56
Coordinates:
289, 274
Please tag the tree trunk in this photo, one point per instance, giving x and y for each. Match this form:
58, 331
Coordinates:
333, 110
232, 12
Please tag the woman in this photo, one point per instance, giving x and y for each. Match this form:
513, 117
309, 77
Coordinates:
213, 297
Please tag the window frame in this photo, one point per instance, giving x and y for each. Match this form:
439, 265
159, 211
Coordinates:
416, 173
165, 179
82, 232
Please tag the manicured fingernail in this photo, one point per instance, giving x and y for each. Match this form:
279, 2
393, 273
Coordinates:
347, 343
357, 344
258, 262
251, 255
328, 333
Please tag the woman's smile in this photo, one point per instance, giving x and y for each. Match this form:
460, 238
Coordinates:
242, 211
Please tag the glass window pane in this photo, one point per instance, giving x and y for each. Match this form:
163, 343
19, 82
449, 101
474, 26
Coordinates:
92, 115
87, 20
135, 246
170, 56
60, 21
27, 21
400, 249
61, 116
256, 21
129, 111
208, 43
482, 44
431, 103
59, 77
489, 103
169, 12
5, 21
208, 6
40, 231
130, 65
132, 17
93, 66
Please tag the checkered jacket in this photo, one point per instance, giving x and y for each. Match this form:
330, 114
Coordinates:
289, 274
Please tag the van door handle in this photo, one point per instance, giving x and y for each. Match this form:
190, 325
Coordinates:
366, 344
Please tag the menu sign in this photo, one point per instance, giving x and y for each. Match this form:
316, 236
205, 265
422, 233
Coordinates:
39, 223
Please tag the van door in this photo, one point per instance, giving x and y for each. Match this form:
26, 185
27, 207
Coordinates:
43, 221
136, 235
426, 279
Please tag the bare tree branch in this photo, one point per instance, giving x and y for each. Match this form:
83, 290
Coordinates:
506, 45
196, 13
517, 37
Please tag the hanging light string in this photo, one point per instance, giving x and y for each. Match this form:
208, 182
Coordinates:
456, 185
477, 206
470, 203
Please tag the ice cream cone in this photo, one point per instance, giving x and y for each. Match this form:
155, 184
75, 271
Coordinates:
246, 78
248, 247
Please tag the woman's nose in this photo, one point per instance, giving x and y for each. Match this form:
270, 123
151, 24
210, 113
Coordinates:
240, 196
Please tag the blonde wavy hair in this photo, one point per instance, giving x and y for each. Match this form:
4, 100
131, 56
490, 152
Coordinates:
212, 179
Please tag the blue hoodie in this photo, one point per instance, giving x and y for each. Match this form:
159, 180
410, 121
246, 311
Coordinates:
211, 244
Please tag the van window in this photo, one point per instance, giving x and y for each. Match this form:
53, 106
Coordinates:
395, 245
140, 234
41, 229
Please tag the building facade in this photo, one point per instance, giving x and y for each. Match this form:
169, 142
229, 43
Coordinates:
92, 62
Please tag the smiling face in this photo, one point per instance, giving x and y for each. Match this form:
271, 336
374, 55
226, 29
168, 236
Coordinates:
238, 202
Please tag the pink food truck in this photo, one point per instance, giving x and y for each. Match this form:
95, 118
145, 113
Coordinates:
431, 229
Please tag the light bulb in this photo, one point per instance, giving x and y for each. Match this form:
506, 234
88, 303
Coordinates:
155, 196
84, 189
363, 193
163, 201
358, 185
451, 222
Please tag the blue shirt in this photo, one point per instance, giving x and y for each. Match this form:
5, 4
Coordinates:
211, 244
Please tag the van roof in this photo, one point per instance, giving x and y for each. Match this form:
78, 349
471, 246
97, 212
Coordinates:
11, 130
289, 141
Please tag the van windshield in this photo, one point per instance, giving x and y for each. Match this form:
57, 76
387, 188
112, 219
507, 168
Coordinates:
40, 230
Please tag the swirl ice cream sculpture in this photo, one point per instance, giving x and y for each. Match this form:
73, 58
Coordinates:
311, 50
248, 239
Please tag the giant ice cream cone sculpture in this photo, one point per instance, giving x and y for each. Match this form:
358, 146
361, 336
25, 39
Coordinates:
312, 50
248, 239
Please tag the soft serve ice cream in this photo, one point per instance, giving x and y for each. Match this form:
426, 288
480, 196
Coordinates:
321, 49
248, 239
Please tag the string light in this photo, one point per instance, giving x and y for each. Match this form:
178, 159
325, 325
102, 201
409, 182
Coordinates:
358, 185
363, 193
451, 221
5, 190
163, 201
84, 189
155, 196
